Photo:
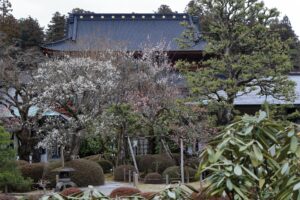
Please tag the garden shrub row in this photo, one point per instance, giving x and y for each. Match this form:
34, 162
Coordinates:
86, 172
154, 163
174, 173
120, 170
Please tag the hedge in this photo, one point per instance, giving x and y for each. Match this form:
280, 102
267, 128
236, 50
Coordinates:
174, 173
106, 165
153, 178
119, 172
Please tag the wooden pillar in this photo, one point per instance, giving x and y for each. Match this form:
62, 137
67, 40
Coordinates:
181, 161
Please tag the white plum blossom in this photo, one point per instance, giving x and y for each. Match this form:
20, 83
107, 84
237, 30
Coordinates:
78, 88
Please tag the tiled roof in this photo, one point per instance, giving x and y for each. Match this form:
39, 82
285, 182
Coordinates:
124, 31
253, 99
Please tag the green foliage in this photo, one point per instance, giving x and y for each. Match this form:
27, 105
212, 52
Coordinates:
153, 178
164, 9
10, 176
178, 192
254, 158
88, 194
174, 173
106, 165
287, 34
86, 173
5, 8
31, 34
34, 171
120, 170
91, 146
154, 163
242, 55
56, 28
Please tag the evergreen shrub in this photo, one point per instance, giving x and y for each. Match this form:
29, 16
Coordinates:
119, 172
153, 178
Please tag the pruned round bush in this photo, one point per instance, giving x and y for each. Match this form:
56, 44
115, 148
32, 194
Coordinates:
50, 174
154, 163
174, 173
86, 172
106, 165
193, 162
177, 158
94, 158
7, 197
119, 172
144, 162
124, 192
162, 162
35, 171
153, 178
21, 162
69, 191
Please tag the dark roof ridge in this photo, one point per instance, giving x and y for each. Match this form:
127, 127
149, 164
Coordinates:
105, 14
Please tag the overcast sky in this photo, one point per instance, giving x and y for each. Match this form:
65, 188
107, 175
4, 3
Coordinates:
43, 9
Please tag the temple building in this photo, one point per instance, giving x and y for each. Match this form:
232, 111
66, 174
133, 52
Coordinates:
130, 32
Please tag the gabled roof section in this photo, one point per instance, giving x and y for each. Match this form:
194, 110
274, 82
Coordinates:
95, 32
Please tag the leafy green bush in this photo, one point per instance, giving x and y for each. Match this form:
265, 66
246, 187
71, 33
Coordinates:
94, 158
35, 171
10, 175
119, 172
21, 162
174, 173
153, 178
254, 158
154, 163
86, 172
124, 192
106, 165
193, 162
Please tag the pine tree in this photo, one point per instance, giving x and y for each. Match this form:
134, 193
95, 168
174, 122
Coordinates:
5, 8
242, 55
56, 28
10, 176
8, 24
31, 34
164, 9
287, 34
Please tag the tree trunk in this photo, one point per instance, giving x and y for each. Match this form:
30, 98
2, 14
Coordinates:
120, 147
27, 145
73, 148
225, 113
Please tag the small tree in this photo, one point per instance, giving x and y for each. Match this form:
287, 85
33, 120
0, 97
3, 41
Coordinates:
31, 34
56, 28
16, 93
5, 8
79, 88
254, 158
10, 176
164, 9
